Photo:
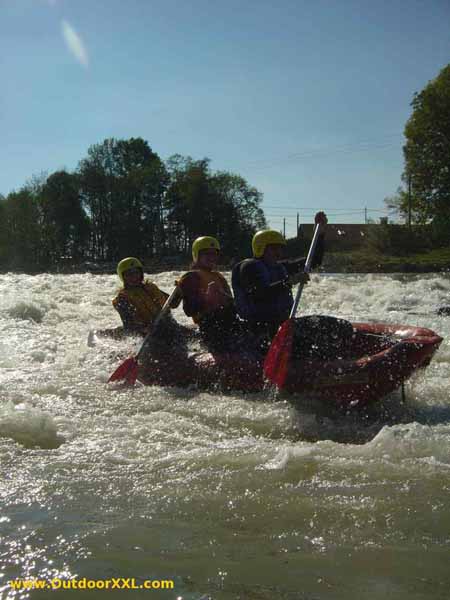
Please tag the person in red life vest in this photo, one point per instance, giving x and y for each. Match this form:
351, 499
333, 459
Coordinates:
208, 300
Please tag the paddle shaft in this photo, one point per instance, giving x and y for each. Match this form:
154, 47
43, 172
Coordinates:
164, 310
307, 269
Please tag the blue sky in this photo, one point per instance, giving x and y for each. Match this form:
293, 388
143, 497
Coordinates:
305, 99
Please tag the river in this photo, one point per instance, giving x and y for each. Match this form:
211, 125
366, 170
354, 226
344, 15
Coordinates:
230, 497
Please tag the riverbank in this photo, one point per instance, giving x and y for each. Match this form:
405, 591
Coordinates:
361, 261
434, 261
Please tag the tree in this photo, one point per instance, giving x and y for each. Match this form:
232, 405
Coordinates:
65, 224
221, 204
238, 212
188, 204
123, 200
427, 152
122, 184
21, 231
407, 205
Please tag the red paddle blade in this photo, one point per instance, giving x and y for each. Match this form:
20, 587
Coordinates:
276, 364
127, 370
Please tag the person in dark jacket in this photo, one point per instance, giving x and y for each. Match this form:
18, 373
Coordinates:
262, 285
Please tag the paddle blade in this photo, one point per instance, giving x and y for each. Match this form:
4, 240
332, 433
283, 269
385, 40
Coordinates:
128, 370
276, 364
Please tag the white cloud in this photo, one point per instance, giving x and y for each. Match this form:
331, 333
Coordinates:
75, 44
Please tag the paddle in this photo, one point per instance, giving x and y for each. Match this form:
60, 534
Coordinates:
128, 370
277, 360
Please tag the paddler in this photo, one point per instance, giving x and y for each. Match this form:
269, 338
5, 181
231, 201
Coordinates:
139, 301
208, 300
262, 285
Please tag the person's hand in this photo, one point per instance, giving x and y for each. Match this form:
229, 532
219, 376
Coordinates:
214, 290
321, 219
301, 277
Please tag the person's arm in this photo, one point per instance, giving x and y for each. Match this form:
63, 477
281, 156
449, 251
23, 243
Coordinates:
293, 267
160, 294
127, 313
194, 299
189, 286
255, 284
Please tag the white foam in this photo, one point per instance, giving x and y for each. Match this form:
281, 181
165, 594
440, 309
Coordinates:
28, 425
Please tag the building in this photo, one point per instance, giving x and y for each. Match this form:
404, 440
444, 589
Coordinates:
349, 236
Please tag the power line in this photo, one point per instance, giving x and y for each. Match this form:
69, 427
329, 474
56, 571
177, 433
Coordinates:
331, 214
341, 213
309, 208
311, 153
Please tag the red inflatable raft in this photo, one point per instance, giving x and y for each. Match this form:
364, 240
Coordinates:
379, 358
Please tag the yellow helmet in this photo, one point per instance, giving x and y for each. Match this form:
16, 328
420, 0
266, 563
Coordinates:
203, 243
128, 263
265, 238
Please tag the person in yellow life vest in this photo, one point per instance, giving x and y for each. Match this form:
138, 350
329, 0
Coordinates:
139, 301
208, 300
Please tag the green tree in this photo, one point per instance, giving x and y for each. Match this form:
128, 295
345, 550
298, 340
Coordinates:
65, 224
221, 204
189, 207
123, 200
21, 231
238, 212
427, 153
408, 205
122, 183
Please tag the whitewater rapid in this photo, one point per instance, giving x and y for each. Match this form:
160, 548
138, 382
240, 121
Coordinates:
230, 496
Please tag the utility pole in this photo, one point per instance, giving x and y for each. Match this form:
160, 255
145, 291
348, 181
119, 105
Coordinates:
284, 227
298, 223
365, 216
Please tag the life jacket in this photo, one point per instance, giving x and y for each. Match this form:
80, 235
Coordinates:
147, 299
207, 305
275, 307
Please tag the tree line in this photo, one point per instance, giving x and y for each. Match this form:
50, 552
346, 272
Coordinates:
123, 200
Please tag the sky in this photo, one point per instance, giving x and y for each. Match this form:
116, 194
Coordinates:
306, 99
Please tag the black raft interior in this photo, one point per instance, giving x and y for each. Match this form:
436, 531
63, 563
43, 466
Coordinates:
325, 338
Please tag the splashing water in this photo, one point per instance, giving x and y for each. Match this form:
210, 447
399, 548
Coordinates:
230, 496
